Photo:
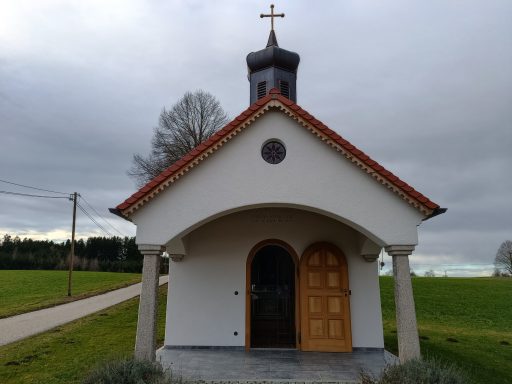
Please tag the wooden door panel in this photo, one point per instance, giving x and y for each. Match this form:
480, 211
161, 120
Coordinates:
333, 279
335, 329
315, 304
315, 260
314, 279
331, 260
334, 305
325, 307
316, 328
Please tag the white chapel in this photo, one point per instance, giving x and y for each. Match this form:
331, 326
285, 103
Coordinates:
274, 226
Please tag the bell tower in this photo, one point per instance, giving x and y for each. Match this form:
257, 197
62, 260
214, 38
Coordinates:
272, 67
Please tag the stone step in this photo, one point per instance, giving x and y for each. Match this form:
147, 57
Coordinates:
277, 381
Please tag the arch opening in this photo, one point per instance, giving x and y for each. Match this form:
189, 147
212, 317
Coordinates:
177, 237
271, 302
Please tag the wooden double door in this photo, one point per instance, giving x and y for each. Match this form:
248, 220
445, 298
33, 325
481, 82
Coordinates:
298, 304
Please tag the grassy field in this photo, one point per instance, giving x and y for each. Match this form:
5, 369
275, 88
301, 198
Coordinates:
465, 321
65, 354
24, 291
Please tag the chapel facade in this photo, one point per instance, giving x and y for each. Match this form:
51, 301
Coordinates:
274, 226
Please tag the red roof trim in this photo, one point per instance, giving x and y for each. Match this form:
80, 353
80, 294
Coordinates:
196, 154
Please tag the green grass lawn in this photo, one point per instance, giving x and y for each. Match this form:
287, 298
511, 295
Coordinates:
465, 321
24, 291
65, 354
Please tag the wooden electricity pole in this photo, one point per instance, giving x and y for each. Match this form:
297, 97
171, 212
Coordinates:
72, 254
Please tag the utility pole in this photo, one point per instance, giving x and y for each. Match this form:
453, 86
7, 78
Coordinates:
72, 254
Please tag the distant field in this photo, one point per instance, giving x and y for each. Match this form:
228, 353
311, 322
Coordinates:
24, 291
465, 321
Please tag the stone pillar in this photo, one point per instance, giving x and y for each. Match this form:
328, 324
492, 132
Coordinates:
145, 342
406, 327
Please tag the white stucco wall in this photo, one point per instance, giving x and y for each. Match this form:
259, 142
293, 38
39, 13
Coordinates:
313, 176
202, 308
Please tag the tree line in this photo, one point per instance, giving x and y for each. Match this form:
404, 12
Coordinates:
108, 254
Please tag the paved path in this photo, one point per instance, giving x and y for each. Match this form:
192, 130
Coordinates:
270, 366
28, 324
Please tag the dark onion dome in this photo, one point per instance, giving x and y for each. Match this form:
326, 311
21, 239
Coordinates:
273, 56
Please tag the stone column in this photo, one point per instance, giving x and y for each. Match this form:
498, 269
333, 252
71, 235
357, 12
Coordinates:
145, 342
406, 327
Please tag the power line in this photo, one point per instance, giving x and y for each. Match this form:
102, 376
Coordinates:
68, 196
101, 217
93, 220
30, 195
36, 188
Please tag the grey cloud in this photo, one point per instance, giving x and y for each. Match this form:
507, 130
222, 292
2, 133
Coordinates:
423, 87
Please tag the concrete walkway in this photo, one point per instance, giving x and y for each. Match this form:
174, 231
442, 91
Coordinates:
28, 324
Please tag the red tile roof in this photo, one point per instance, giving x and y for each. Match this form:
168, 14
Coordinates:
274, 98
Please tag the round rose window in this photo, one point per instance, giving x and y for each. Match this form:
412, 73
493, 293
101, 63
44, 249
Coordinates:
273, 151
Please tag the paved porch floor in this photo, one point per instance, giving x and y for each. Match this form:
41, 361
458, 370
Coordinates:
271, 365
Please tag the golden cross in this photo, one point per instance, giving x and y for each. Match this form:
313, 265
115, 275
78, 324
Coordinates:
272, 15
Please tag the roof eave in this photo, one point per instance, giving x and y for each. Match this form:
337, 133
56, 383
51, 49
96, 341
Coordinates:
436, 212
119, 213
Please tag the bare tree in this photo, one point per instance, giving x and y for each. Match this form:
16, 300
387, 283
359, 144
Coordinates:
498, 273
503, 260
189, 122
430, 273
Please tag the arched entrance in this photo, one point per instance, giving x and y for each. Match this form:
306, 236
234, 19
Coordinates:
271, 301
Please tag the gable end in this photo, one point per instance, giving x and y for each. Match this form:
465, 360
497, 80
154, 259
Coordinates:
274, 100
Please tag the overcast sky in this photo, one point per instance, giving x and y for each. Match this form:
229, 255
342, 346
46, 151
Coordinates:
424, 87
